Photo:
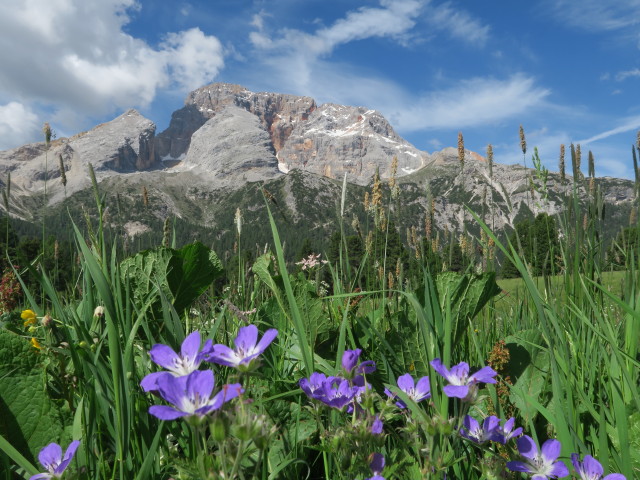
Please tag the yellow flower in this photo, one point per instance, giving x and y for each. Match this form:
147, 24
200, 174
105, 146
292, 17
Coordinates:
29, 317
35, 343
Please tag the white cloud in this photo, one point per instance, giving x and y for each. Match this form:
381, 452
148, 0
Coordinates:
77, 54
194, 59
18, 124
596, 14
474, 102
629, 124
394, 20
458, 23
620, 76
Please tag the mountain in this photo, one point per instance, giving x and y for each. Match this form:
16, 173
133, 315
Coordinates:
227, 142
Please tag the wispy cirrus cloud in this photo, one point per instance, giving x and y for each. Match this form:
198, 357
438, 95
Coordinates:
596, 14
472, 102
627, 125
620, 76
393, 19
457, 23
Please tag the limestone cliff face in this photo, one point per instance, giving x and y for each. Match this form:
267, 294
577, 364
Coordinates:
231, 148
354, 140
278, 114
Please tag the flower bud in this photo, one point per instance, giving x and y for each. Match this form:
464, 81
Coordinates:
99, 311
218, 428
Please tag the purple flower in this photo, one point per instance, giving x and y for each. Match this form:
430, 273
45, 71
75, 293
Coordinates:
187, 361
376, 426
350, 363
191, 395
335, 392
543, 464
506, 431
461, 385
51, 458
314, 385
474, 432
247, 348
591, 469
338, 392
416, 392
377, 465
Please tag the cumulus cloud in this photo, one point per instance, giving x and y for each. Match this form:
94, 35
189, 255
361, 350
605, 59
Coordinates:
77, 54
15, 121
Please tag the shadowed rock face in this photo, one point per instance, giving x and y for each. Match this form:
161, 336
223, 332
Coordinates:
125, 144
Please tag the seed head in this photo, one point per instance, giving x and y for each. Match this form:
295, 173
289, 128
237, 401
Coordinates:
461, 150
523, 141
490, 159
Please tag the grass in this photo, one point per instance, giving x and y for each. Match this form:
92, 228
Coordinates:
564, 349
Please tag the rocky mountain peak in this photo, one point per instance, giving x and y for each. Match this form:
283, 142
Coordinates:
277, 112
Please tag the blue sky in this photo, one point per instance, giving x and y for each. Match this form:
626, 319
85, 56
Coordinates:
567, 70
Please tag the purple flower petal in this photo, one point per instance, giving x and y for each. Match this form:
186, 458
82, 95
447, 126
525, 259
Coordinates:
550, 450
456, 391
171, 388
559, 470
199, 385
246, 339
350, 359
484, 375
164, 356
50, 456
149, 383
406, 383
423, 389
190, 345
376, 427
266, 340
615, 476
440, 368
368, 366
527, 447
164, 412
68, 456
517, 466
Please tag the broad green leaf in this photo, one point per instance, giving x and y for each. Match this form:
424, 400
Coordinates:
30, 419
